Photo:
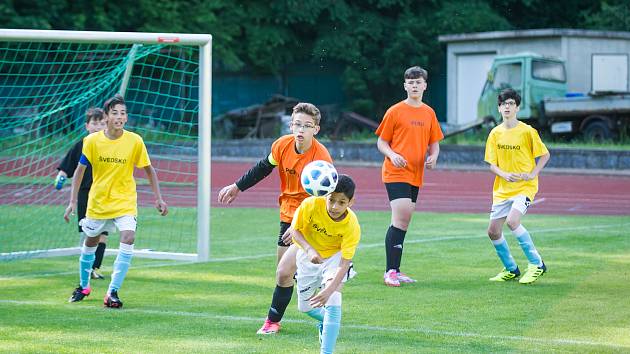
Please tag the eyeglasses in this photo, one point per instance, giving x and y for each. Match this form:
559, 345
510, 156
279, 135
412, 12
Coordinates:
508, 103
303, 126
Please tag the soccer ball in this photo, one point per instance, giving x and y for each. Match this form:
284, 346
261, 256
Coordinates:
319, 178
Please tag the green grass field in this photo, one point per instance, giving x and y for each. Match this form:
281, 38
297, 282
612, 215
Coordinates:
580, 306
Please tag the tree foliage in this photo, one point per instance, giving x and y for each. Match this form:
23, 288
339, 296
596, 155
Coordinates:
373, 40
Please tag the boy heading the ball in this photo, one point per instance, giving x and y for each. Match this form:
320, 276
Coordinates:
327, 233
290, 153
511, 150
409, 137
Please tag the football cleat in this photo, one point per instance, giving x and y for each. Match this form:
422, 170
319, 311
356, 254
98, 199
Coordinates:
404, 278
391, 278
532, 273
79, 293
112, 300
506, 275
269, 327
96, 275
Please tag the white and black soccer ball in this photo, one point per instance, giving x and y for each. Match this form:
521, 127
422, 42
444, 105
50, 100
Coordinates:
319, 178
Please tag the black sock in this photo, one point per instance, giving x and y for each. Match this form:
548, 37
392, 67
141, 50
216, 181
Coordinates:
279, 303
100, 252
394, 246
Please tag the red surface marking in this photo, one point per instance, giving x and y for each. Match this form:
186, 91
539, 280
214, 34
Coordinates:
444, 190
452, 191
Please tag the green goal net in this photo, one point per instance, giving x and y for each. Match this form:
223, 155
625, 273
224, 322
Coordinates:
46, 86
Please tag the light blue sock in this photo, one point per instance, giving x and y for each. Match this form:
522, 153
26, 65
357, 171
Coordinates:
121, 266
526, 243
332, 323
316, 313
503, 251
85, 265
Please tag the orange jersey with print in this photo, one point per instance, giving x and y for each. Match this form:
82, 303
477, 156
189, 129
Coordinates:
409, 131
290, 165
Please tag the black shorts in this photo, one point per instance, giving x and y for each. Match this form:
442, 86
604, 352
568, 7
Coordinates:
82, 208
397, 190
284, 226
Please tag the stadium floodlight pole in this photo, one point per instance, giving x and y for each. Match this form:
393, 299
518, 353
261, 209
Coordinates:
203, 170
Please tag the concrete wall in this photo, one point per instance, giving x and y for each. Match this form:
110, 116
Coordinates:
449, 154
579, 58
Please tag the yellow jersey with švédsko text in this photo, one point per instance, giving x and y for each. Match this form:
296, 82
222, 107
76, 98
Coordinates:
324, 234
514, 151
113, 192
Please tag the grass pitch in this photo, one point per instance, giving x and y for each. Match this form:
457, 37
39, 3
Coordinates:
579, 306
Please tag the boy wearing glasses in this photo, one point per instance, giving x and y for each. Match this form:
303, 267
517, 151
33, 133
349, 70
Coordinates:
511, 150
290, 153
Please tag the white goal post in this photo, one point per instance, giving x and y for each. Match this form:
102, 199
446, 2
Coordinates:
29, 186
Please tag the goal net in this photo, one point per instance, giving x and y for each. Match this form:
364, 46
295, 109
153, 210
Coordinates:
48, 80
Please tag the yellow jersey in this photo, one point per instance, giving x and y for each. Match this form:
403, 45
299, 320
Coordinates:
514, 150
113, 192
324, 234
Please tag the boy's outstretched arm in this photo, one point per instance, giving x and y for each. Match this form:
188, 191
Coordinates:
254, 175
160, 204
542, 161
385, 149
74, 192
433, 153
321, 298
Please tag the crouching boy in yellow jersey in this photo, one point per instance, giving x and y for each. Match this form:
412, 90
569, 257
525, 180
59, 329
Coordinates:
511, 151
327, 233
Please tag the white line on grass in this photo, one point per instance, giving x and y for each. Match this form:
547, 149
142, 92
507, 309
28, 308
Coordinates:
361, 246
422, 330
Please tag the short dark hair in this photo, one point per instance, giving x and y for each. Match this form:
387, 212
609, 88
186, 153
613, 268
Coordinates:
507, 94
94, 114
112, 102
416, 72
345, 185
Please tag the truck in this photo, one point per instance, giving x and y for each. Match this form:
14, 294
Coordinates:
547, 105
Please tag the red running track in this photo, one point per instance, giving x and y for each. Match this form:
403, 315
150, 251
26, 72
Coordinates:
453, 191
444, 190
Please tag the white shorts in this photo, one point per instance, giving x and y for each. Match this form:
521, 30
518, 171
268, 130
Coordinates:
311, 277
502, 209
95, 227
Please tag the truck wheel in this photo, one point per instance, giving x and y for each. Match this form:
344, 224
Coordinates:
597, 131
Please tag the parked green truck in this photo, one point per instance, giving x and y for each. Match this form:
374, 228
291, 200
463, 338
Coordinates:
546, 103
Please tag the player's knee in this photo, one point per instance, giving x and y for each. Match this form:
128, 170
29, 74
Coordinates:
91, 241
493, 233
513, 223
284, 276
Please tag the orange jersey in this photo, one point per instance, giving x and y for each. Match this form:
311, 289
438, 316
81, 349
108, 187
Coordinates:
409, 131
290, 165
